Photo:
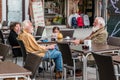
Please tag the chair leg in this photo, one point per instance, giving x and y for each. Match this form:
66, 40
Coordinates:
14, 60
71, 72
118, 70
50, 69
43, 63
74, 69
97, 75
64, 72
50, 60
46, 67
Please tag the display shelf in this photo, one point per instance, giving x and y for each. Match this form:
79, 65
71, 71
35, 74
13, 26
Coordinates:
54, 12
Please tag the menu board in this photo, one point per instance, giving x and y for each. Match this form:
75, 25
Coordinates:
38, 13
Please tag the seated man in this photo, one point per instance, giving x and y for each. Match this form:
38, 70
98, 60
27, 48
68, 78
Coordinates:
14, 31
44, 51
99, 33
98, 36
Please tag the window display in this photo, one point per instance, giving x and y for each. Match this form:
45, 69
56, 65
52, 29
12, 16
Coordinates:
54, 12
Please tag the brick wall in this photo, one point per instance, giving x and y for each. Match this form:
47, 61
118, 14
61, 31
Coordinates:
0, 10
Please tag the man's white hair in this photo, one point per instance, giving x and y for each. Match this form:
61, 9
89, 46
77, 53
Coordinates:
101, 21
25, 23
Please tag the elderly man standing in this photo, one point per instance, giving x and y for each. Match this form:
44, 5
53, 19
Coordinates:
44, 51
99, 33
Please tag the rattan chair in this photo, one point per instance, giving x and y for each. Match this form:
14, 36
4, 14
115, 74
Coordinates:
68, 58
23, 50
32, 63
105, 67
114, 41
4, 50
39, 32
67, 32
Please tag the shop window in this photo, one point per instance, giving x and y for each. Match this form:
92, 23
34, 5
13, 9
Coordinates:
55, 12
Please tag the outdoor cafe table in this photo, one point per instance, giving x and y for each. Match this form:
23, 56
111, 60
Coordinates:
116, 58
54, 42
98, 48
11, 70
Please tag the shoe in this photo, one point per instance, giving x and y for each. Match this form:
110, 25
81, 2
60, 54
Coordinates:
58, 75
78, 73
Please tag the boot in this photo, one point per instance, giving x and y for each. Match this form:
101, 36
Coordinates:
58, 75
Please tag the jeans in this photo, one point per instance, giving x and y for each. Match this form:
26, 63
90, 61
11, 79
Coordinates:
57, 56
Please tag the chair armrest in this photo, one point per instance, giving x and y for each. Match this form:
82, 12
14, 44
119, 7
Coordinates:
37, 36
117, 74
15, 47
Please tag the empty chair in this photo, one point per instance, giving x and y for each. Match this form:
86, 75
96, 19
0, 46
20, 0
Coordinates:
5, 23
114, 41
32, 63
105, 66
68, 58
67, 32
4, 50
39, 32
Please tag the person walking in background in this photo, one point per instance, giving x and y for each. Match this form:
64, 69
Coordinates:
99, 33
44, 51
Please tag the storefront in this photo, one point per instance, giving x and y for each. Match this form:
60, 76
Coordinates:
82, 7
55, 12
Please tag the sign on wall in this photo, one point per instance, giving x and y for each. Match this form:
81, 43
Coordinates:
38, 13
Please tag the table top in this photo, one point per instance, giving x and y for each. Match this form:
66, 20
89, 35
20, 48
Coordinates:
116, 58
95, 48
54, 42
8, 68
